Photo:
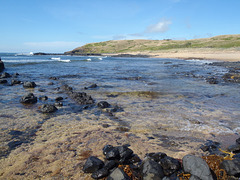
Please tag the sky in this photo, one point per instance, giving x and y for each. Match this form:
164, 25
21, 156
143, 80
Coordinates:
57, 26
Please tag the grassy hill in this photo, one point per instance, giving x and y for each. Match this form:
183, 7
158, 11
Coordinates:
141, 45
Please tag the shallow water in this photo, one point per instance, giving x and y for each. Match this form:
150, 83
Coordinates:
157, 96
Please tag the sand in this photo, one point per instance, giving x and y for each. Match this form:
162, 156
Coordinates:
230, 55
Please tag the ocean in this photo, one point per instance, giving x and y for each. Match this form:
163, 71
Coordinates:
163, 101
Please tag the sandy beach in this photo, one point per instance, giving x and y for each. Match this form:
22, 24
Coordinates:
230, 55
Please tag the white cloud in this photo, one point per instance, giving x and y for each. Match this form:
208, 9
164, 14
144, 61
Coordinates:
160, 27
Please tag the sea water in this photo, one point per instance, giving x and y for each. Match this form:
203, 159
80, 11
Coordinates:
157, 97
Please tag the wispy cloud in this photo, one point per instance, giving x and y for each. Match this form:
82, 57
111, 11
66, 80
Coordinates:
160, 27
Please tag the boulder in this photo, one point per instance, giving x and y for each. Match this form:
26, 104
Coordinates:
231, 167
169, 165
152, 170
103, 104
29, 84
5, 75
3, 81
118, 174
91, 86
29, 99
81, 98
197, 167
14, 81
92, 164
1, 65
48, 108
59, 98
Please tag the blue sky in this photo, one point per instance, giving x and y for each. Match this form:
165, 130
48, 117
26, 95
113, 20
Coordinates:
61, 25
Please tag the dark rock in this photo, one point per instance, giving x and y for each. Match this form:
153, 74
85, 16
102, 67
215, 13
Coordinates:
101, 173
212, 80
105, 125
54, 78
59, 104
41, 90
43, 98
112, 153
65, 87
91, 86
110, 164
14, 144
156, 156
5, 75
2, 67
15, 75
59, 99
50, 83
197, 167
81, 98
234, 148
122, 129
48, 108
103, 104
92, 164
3, 81
29, 99
106, 149
29, 84
14, 81
118, 174
124, 152
15, 133
231, 167
169, 165
152, 170
210, 146
134, 159
238, 141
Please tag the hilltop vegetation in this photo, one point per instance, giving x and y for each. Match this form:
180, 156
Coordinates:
140, 45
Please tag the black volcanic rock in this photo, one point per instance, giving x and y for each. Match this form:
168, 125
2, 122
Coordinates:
2, 67
29, 99
29, 84
92, 164
48, 108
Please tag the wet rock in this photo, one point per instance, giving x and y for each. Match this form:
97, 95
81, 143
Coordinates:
43, 98
65, 87
155, 156
212, 80
210, 146
118, 174
234, 148
91, 86
105, 125
237, 156
238, 141
5, 75
134, 159
14, 144
110, 165
81, 98
197, 167
169, 165
2, 67
14, 81
231, 167
125, 153
53, 78
41, 90
103, 104
15, 75
92, 164
15, 132
59, 99
29, 99
59, 104
3, 81
29, 84
48, 108
152, 170
101, 173
50, 83
111, 153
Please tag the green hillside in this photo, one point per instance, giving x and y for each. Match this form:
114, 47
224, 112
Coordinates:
140, 45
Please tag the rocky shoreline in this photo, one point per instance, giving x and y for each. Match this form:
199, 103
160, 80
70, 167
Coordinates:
120, 161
